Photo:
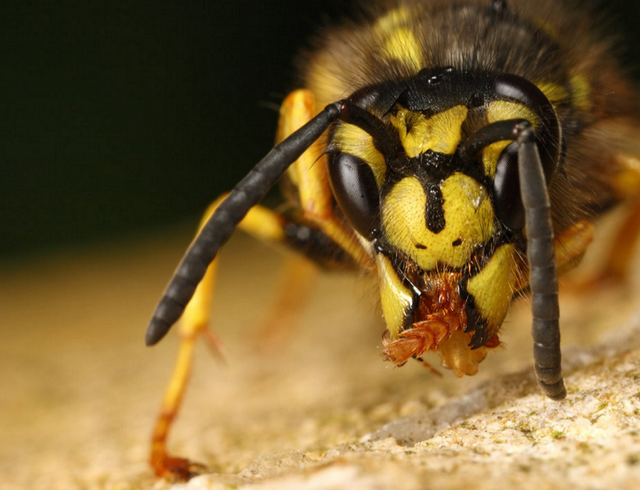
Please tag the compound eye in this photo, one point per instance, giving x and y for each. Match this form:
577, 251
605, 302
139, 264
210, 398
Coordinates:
356, 191
507, 197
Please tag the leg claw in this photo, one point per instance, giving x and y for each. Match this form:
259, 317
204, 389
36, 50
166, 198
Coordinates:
177, 469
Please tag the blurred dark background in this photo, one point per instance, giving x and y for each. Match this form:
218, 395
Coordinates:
122, 117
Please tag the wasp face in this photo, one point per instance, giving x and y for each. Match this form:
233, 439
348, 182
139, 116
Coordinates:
439, 202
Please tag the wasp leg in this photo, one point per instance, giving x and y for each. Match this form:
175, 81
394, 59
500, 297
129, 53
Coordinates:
164, 465
310, 177
194, 321
264, 224
313, 196
268, 226
569, 247
571, 244
615, 264
314, 230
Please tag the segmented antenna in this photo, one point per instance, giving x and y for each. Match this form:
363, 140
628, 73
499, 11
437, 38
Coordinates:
543, 276
220, 226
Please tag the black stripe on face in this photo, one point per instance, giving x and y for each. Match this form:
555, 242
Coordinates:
434, 212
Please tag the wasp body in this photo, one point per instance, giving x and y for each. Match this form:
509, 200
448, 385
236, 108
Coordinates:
471, 148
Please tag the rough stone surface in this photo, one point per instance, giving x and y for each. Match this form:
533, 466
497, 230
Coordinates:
317, 410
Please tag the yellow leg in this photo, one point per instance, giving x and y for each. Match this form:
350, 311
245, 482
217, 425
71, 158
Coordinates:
260, 222
615, 265
569, 246
309, 174
316, 220
166, 466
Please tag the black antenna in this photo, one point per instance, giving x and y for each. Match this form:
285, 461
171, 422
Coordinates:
543, 276
220, 226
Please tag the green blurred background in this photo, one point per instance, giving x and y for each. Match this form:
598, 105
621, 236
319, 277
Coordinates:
118, 118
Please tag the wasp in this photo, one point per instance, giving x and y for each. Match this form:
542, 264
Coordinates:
460, 151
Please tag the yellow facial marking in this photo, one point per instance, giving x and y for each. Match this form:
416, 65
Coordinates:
490, 155
580, 91
468, 216
500, 110
357, 142
399, 42
440, 132
396, 299
493, 287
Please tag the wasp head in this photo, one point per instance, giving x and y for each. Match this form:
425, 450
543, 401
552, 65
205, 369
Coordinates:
428, 177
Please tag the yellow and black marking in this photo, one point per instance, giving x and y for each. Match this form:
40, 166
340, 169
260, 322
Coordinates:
440, 133
354, 141
443, 109
424, 200
488, 294
467, 221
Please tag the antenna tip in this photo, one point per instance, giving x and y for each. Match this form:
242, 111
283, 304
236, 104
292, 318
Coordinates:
156, 330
